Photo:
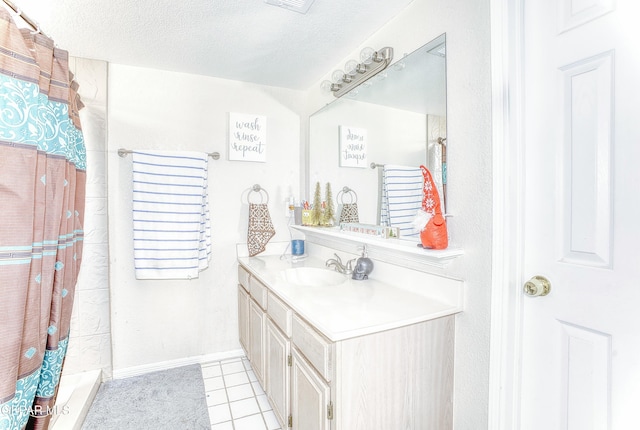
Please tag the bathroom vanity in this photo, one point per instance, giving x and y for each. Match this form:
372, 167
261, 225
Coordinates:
333, 353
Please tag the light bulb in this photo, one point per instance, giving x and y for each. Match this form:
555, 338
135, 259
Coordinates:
366, 55
326, 86
351, 67
336, 76
380, 76
399, 66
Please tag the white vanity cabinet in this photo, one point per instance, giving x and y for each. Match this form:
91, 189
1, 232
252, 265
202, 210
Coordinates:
251, 320
277, 375
400, 377
256, 340
243, 318
311, 407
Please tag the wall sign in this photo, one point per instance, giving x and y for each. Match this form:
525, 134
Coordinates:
353, 147
247, 137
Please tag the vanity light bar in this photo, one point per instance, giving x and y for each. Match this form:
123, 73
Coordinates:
372, 63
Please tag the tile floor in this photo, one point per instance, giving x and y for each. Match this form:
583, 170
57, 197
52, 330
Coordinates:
235, 398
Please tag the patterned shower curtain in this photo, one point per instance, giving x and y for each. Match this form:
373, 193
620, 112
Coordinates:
42, 190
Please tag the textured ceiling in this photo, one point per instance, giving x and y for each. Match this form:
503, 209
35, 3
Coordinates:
244, 40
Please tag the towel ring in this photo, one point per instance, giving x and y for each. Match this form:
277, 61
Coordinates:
344, 192
258, 189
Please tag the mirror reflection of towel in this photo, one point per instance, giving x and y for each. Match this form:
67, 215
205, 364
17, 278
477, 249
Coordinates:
260, 228
401, 197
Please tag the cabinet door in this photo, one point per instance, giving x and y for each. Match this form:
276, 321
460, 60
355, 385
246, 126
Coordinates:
276, 376
256, 340
243, 318
310, 396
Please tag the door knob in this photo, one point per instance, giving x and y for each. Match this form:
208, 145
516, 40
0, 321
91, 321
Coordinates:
537, 286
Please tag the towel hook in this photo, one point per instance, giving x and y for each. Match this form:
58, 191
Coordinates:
256, 188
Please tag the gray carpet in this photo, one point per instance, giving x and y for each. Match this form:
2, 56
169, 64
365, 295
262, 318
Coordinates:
169, 399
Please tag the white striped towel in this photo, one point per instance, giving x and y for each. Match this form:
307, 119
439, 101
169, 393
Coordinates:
401, 197
171, 224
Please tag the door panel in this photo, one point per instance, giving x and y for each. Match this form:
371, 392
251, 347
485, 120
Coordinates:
256, 340
309, 396
581, 346
277, 371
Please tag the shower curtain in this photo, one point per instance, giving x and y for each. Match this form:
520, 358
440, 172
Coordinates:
42, 187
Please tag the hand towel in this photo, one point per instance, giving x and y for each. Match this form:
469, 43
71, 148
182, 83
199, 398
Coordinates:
401, 197
260, 228
349, 213
171, 224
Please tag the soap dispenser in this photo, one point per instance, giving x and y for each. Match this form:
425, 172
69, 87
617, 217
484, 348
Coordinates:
364, 266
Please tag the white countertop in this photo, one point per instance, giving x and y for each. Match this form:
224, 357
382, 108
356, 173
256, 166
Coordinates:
350, 309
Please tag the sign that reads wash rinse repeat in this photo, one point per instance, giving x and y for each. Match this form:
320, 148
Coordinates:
247, 137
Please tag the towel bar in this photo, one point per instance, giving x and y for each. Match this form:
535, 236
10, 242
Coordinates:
123, 153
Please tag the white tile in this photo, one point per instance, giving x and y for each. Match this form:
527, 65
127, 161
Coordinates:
211, 371
263, 402
88, 353
236, 379
251, 375
222, 426
94, 271
271, 420
94, 313
257, 388
247, 364
96, 182
96, 255
94, 130
243, 408
92, 76
240, 392
235, 367
219, 413
211, 384
216, 397
253, 422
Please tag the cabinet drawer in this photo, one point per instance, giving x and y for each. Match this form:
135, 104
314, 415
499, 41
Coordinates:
258, 292
280, 313
317, 349
243, 277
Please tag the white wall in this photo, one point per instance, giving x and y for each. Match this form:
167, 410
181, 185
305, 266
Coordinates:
164, 321
467, 26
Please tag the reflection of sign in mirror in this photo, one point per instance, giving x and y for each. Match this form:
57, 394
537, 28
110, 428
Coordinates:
247, 137
353, 147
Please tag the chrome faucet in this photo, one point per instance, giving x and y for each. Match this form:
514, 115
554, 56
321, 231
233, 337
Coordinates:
338, 266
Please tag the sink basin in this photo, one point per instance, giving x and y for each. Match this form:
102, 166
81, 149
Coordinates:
313, 277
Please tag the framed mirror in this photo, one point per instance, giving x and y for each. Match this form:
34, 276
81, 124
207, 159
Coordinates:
397, 118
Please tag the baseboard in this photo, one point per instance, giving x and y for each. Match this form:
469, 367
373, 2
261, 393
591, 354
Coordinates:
128, 372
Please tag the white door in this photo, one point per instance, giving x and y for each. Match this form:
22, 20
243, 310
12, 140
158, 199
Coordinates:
581, 343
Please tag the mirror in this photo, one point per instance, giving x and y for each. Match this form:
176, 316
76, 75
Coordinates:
398, 117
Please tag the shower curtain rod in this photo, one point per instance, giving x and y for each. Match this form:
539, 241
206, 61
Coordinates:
22, 15
123, 152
